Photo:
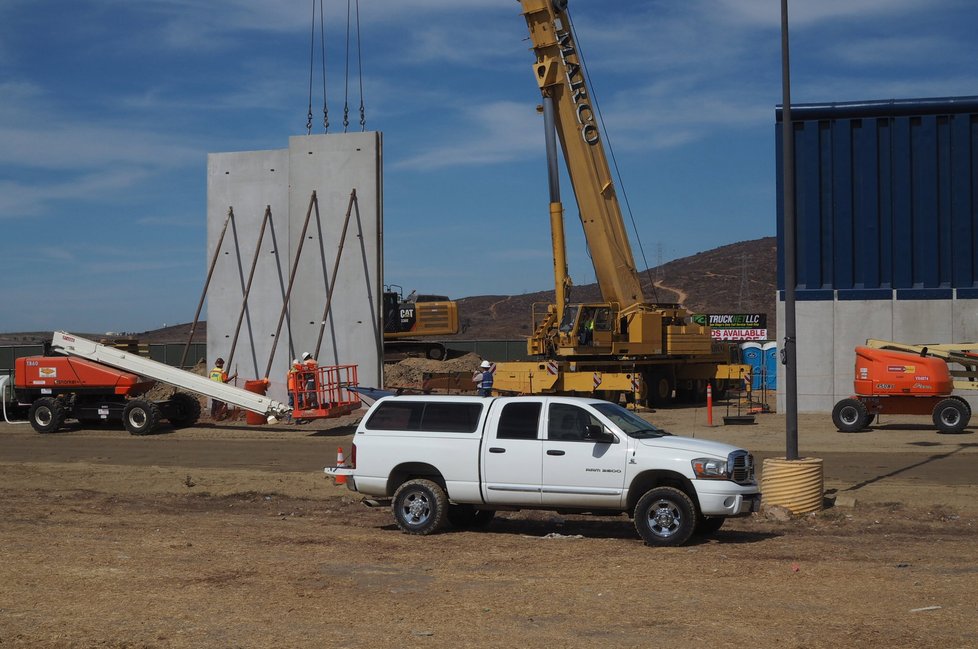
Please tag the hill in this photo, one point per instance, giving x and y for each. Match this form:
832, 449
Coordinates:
736, 278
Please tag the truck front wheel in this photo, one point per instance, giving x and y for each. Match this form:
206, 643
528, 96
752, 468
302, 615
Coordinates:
141, 417
665, 516
420, 507
47, 414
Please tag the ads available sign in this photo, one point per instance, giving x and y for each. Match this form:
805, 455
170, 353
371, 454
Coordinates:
734, 326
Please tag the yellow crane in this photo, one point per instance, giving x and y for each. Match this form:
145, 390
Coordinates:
623, 344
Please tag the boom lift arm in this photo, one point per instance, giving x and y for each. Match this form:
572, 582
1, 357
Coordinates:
72, 345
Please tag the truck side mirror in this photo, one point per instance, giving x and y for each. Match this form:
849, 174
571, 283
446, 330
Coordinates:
597, 433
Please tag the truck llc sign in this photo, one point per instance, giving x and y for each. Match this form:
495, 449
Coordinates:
734, 326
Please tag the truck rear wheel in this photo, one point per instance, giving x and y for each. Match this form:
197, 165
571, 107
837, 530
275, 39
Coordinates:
951, 416
665, 517
850, 415
47, 414
141, 417
420, 507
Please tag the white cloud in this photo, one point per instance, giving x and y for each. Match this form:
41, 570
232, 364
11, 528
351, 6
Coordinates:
24, 198
490, 134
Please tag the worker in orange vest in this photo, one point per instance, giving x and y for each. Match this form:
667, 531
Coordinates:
309, 365
292, 381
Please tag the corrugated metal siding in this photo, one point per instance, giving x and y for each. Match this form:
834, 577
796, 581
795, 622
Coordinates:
885, 196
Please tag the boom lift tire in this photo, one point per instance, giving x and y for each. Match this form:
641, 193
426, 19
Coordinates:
850, 415
47, 414
141, 417
665, 517
951, 415
187, 409
420, 507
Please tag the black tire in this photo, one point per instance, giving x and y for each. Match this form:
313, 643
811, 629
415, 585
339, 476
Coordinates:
420, 507
659, 387
467, 517
707, 525
951, 416
141, 417
665, 517
850, 415
870, 418
47, 414
187, 410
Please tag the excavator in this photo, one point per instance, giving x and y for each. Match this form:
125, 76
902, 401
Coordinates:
623, 345
411, 323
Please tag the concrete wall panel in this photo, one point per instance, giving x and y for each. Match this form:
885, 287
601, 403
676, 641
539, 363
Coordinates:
332, 166
829, 331
247, 182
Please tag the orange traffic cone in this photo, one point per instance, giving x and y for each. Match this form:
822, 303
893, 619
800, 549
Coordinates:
340, 461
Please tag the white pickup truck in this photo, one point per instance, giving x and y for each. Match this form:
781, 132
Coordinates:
460, 459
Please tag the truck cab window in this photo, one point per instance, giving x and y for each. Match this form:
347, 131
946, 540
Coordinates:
519, 421
566, 422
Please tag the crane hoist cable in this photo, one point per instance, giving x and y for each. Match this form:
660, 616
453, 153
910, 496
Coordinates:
611, 153
350, 5
312, 50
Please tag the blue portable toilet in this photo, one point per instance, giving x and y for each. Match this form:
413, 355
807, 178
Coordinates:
752, 354
770, 365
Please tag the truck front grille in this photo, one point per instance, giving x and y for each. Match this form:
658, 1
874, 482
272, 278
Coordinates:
741, 466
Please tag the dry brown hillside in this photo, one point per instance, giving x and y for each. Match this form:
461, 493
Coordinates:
736, 278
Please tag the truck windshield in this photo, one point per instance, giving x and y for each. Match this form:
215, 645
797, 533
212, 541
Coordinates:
630, 423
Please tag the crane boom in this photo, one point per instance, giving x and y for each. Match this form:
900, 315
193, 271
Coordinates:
561, 77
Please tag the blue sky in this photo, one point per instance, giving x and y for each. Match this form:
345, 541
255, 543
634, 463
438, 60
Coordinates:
108, 109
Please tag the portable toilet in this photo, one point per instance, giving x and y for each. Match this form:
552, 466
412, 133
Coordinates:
752, 354
770, 350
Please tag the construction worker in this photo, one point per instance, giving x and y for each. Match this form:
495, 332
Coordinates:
485, 379
292, 381
309, 366
219, 409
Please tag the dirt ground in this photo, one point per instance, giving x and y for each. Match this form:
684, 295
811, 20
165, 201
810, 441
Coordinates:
226, 535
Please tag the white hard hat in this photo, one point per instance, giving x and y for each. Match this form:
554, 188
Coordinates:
485, 365
295, 361
306, 355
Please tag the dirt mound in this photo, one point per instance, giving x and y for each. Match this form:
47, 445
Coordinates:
163, 391
410, 372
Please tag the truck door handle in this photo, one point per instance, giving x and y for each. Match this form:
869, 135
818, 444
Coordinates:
496, 449
554, 452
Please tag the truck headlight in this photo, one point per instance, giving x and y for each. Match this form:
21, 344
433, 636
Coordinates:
709, 468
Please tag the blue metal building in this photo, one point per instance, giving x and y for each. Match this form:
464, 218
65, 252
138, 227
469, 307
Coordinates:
886, 200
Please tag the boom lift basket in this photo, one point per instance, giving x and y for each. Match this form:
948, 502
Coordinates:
326, 391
